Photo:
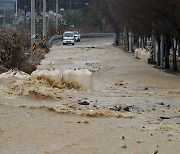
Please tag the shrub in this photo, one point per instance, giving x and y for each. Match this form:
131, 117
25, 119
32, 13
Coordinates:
13, 45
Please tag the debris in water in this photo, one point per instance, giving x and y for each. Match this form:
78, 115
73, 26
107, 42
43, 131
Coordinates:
126, 109
116, 108
121, 83
124, 146
161, 103
140, 141
146, 88
83, 122
103, 113
165, 118
168, 106
83, 103
89, 113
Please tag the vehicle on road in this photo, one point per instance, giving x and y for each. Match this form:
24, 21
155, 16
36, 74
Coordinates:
68, 38
77, 36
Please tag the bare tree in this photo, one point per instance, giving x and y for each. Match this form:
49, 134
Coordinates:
147, 17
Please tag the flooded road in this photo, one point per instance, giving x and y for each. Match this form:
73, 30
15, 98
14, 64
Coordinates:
133, 108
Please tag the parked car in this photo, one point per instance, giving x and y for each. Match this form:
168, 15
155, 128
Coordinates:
77, 36
68, 38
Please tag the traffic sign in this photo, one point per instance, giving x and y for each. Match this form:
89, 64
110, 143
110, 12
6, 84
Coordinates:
58, 32
107, 29
79, 30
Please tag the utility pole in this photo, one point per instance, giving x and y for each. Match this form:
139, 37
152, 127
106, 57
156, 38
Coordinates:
44, 24
16, 7
33, 30
4, 15
16, 12
154, 47
25, 15
124, 39
70, 8
100, 7
57, 7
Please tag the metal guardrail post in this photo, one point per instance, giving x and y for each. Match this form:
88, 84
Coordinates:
44, 24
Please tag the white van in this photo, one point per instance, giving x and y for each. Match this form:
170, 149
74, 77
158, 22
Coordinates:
77, 36
68, 38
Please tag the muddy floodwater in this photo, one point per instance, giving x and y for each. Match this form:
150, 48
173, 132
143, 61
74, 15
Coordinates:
134, 108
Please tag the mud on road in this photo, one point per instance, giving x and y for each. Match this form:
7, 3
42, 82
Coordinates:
134, 108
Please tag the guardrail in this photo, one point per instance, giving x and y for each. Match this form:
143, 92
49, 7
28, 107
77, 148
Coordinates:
83, 35
52, 39
97, 35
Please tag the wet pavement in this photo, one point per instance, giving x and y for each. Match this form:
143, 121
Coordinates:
123, 87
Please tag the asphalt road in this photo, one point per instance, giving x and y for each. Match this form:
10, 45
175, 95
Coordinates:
88, 41
147, 100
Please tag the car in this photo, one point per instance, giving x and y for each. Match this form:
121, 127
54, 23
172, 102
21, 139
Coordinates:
77, 36
68, 38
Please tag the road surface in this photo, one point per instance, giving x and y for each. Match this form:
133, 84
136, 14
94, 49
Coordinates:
146, 100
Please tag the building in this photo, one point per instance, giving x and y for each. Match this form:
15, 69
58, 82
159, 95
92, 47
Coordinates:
7, 11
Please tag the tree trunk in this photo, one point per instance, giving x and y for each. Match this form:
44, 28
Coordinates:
130, 45
145, 41
142, 42
162, 51
179, 47
117, 37
158, 54
174, 56
137, 41
154, 47
167, 53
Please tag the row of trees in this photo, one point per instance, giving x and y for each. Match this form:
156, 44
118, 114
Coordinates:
82, 16
51, 4
147, 17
